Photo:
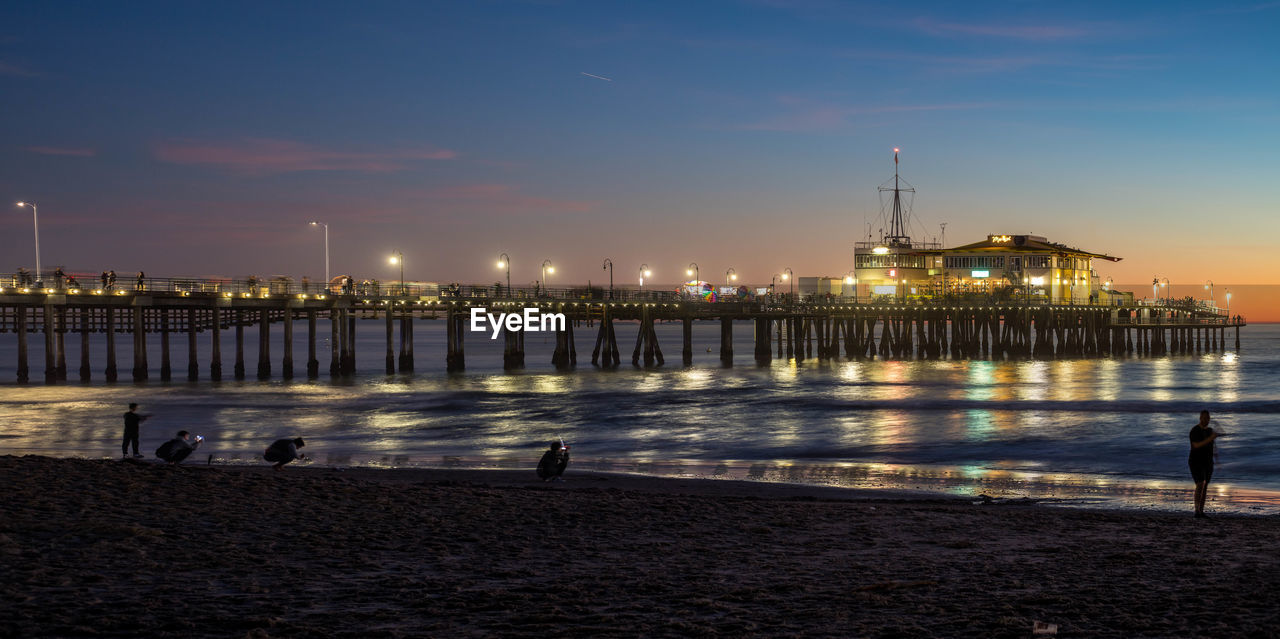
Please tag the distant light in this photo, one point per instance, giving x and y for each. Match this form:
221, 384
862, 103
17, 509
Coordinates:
880, 250
895, 149
848, 280
648, 273
502, 264
551, 269
734, 277
688, 271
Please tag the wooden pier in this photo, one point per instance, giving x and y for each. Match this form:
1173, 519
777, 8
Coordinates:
819, 330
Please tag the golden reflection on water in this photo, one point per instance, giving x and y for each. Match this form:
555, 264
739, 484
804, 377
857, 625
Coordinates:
1034, 381
1161, 379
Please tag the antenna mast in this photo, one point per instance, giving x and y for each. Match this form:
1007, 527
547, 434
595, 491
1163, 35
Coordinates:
897, 227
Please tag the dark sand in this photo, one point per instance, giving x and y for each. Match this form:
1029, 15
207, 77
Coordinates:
110, 548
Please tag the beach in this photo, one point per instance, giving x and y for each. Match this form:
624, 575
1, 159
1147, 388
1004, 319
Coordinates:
124, 548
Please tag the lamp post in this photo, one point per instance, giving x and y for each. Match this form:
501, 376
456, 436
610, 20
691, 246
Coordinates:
547, 268
397, 257
35, 220
1209, 287
693, 271
1168, 298
505, 262
644, 272
608, 264
731, 275
1228, 304
789, 275
326, 251
850, 280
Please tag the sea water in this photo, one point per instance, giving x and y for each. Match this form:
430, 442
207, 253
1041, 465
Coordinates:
1073, 430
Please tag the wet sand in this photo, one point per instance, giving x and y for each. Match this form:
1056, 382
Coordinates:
114, 548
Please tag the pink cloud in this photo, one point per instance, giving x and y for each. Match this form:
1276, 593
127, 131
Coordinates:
15, 70
54, 150
258, 156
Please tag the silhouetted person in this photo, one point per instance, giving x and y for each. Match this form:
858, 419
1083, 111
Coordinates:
283, 451
554, 461
58, 277
175, 450
1201, 459
141, 278
104, 279
131, 422
111, 278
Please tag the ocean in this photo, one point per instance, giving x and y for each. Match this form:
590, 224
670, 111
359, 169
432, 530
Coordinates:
1107, 431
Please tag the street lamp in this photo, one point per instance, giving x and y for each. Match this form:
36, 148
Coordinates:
693, 271
644, 272
608, 264
850, 280
547, 268
326, 251
1228, 304
35, 220
789, 275
505, 262
398, 258
731, 275
1168, 298
1209, 287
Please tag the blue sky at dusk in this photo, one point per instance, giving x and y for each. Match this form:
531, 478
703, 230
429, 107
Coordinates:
198, 138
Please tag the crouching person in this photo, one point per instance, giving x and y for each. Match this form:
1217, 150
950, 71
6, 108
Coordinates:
283, 451
177, 449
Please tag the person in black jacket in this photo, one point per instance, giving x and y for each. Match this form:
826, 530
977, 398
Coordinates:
177, 449
132, 420
554, 461
283, 451
1201, 459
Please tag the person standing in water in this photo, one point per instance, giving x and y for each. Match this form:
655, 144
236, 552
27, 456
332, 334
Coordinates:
1201, 460
132, 420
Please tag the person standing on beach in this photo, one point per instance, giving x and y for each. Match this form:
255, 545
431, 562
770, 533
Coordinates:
131, 422
283, 451
554, 461
1201, 460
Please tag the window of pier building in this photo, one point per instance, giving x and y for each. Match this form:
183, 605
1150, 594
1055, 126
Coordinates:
975, 261
890, 261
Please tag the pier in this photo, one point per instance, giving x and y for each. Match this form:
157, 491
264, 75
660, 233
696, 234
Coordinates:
203, 313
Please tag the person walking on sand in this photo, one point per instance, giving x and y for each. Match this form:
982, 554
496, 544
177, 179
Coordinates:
283, 451
554, 461
1201, 460
175, 450
131, 422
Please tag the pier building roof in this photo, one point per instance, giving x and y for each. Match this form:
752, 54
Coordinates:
1027, 244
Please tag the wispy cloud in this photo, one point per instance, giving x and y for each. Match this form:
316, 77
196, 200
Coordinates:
8, 68
258, 156
1012, 31
808, 115
56, 150
502, 198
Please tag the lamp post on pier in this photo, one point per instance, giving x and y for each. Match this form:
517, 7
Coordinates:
1228, 305
397, 257
850, 280
608, 264
1168, 296
505, 262
789, 276
326, 251
731, 275
547, 268
1209, 287
644, 272
35, 220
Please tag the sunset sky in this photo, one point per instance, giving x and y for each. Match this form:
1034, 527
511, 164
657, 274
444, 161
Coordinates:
199, 138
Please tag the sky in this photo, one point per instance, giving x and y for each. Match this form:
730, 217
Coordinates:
200, 138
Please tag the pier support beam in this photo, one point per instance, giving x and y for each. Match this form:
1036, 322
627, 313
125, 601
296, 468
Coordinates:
391, 355
193, 365
239, 365
20, 321
313, 364
50, 358
139, 345
286, 366
85, 318
166, 371
215, 345
264, 344
726, 341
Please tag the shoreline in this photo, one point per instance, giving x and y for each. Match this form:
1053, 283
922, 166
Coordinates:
138, 548
923, 481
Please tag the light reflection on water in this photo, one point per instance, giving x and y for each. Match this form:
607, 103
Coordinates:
1112, 426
